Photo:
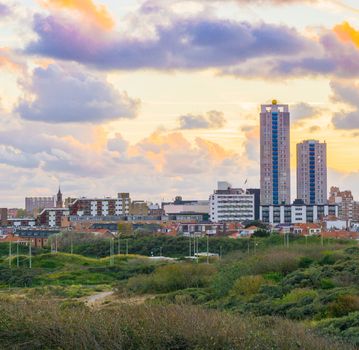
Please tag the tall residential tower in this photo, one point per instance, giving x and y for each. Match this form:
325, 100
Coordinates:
312, 172
275, 154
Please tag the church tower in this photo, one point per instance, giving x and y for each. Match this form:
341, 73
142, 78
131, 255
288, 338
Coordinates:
59, 201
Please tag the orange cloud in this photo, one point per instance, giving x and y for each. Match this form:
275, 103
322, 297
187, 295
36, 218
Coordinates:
95, 13
7, 62
347, 33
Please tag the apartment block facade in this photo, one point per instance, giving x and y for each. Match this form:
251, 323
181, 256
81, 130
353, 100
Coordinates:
52, 217
348, 207
275, 154
98, 207
231, 204
312, 172
297, 213
33, 205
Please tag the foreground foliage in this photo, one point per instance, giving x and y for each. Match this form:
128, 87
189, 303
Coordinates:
312, 284
50, 325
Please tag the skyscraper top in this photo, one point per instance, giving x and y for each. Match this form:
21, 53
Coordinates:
274, 107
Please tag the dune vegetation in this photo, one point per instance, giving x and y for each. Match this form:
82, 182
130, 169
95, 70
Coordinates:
305, 296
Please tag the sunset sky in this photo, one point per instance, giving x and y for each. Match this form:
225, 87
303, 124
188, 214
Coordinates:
161, 97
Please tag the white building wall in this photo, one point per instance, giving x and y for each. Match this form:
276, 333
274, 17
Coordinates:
231, 207
93, 208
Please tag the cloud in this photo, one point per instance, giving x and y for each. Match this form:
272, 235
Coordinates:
236, 48
304, 110
96, 14
5, 10
252, 143
346, 92
314, 129
163, 164
184, 43
347, 33
211, 120
330, 57
15, 157
117, 144
9, 61
173, 155
70, 94
265, 2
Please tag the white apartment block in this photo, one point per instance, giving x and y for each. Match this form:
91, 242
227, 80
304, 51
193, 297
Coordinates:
231, 204
299, 213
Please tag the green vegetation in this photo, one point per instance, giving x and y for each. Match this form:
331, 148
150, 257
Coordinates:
63, 269
265, 297
171, 278
175, 247
304, 283
52, 325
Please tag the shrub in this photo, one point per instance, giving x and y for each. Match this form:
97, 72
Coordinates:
346, 327
327, 283
296, 295
344, 305
247, 286
172, 277
305, 262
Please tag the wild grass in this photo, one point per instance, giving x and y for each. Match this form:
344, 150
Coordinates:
50, 325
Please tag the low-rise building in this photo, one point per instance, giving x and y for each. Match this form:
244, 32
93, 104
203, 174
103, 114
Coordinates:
52, 217
38, 237
99, 207
179, 206
22, 222
297, 213
231, 204
333, 223
139, 208
308, 229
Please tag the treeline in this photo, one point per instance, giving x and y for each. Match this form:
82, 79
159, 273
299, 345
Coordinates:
155, 245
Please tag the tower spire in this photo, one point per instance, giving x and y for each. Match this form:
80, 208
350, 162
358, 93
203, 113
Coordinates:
59, 201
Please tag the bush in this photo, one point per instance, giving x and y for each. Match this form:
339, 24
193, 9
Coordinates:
296, 295
247, 286
346, 327
171, 278
279, 262
344, 305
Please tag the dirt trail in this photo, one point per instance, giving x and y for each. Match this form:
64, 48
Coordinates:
96, 299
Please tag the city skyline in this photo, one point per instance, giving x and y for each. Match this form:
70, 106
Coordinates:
162, 98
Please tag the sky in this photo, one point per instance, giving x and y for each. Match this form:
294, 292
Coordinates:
162, 97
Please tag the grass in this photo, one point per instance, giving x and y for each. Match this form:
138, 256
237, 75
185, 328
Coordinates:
52, 325
71, 269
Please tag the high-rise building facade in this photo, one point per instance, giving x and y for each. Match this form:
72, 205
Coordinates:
312, 172
275, 154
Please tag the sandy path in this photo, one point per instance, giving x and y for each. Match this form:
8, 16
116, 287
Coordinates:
95, 299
